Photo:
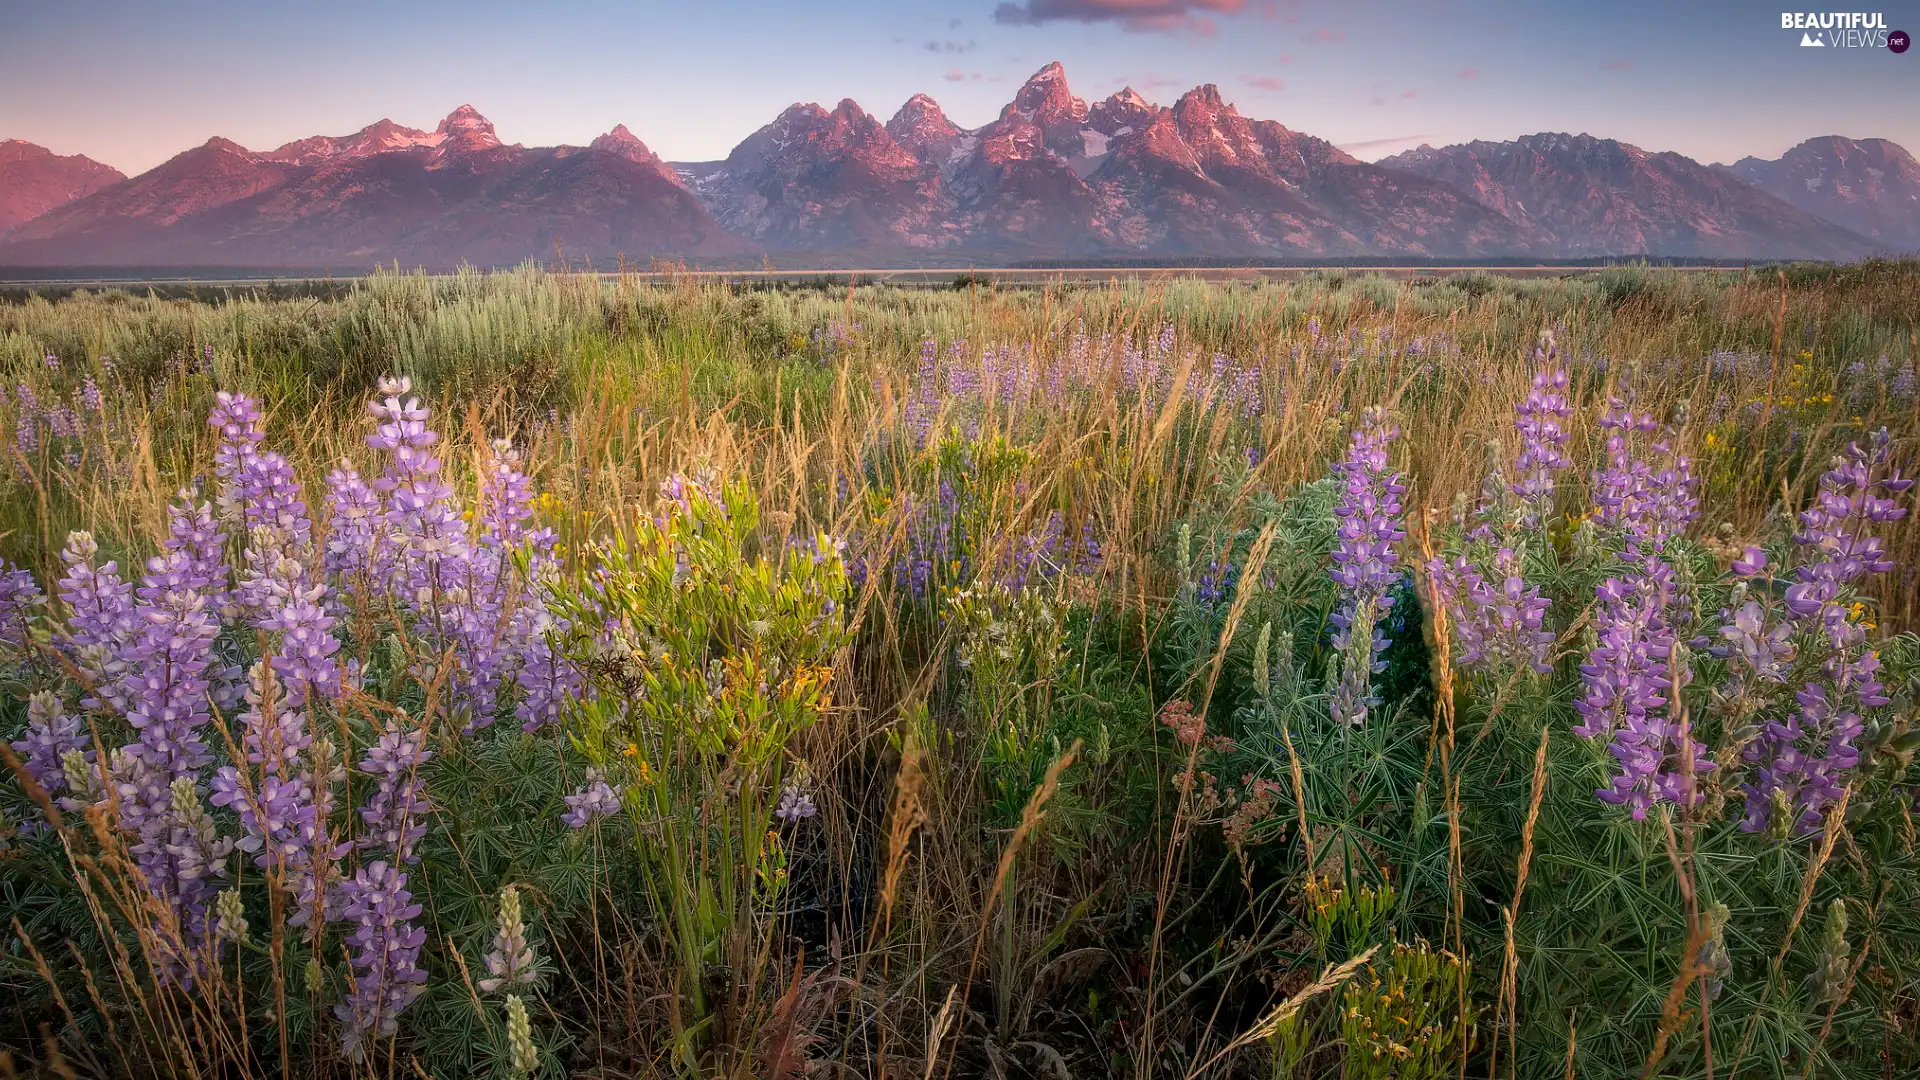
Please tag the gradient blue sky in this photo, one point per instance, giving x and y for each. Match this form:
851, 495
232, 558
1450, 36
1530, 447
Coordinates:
131, 83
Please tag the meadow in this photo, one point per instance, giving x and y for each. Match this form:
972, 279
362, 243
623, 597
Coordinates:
518, 674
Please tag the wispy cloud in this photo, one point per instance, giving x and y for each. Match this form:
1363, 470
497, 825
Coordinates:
1264, 82
1469, 74
951, 46
955, 75
1381, 144
1619, 63
1327, 35
1286, 58
1143, 16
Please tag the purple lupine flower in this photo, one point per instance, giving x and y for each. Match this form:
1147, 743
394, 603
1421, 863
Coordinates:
1751, 564
794, 805
1365, 562
419, 511
1764, 652
353, 528
26, 433
194, 559
179, 856
258, 487
1631, 497
279, 814
51, 733
934, 541
1543, 442
1631, 668
453, 589
304, 659
395, 812
386, 954
1216, 585
99, 603
548, 680
63, 422
1801, 763
924, 404
90, 396
1037, 556
593, 799
20, 596
506, 501
1500, 625
166, 687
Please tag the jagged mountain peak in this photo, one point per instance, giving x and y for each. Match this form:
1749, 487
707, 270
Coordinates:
626, 144
224, 145
923, 128
1206, 97
463, 119
920, 111
379, 137
1046, 99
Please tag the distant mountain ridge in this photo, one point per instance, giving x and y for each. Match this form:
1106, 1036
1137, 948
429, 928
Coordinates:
34, 180
1051, 177
1585, 196
1870, 186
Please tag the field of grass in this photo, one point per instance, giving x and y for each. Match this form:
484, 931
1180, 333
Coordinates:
1338, 676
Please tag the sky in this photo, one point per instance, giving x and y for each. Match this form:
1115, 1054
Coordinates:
132, 83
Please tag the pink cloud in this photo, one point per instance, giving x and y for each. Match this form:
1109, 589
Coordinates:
1144, 16
1264, 82
956, 75
1377, 101
1198, 25
1328, 35
1623, 63
1469, 74
1409, 95
1286, 58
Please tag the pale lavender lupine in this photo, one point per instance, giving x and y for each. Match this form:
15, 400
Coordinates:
453, 587
354, 550
51, 732
1543, 442
181, 857
387, 976
593, 799
1500, 623
258, 488
1630, 672
1801, 763
100, 621
283, 805
167, 683
395, 812
547, 679
1365, 561
20, 599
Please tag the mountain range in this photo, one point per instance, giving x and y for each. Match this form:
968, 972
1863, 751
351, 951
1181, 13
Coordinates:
1051, 177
